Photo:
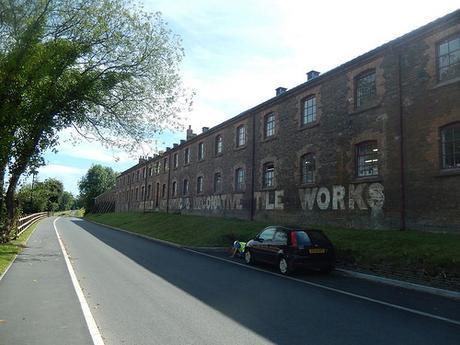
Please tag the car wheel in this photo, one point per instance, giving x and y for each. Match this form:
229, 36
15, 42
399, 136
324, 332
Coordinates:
248, 258
283, 266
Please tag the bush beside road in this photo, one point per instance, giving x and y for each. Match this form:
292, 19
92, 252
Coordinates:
431, 258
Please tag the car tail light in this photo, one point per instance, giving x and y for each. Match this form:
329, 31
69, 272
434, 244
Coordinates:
293, 239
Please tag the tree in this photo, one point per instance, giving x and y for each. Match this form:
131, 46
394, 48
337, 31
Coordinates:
98, 179
48, 195
105, 68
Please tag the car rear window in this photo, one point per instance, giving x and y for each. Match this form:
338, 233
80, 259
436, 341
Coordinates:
318, 237
302, 238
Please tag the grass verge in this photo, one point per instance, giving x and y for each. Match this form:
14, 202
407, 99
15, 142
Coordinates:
432, 253
9, 250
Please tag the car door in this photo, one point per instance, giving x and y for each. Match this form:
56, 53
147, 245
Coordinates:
277, 245
262, 243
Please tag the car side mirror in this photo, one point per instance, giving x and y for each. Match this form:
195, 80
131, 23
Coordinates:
258, 239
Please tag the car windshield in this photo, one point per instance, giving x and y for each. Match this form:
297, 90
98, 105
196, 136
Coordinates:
318, 237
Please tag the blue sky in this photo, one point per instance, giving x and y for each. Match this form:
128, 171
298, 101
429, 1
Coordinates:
238, 52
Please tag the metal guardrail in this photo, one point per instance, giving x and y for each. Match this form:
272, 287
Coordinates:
25, 222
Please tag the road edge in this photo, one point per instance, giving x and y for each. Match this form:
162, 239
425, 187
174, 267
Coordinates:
339, 271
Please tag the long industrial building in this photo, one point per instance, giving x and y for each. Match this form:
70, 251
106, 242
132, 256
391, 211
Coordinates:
373, 143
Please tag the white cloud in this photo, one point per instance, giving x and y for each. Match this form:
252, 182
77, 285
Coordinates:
56, 170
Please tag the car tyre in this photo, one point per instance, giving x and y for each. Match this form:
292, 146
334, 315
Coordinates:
283, 266
248, 257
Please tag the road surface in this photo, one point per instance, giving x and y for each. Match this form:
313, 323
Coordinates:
142, 292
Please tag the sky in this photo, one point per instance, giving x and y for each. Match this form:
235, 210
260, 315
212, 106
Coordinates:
238, 52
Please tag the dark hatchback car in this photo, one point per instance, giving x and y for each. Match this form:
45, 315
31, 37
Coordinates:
290, 248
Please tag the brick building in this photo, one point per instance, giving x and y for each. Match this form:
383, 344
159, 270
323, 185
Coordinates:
373, 143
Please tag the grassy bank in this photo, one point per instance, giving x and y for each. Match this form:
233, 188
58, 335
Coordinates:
9, 250
432, 252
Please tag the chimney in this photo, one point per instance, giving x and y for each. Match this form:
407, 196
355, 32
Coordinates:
312, 75
205, 129
280, 90
175, 145
182, 141
189, 133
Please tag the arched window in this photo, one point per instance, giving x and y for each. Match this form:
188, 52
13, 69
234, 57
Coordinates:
199, 184
174, 188
268, 175
367, 159
219, 145
308, 167
239, 179
185, 187
218, 182
450, 146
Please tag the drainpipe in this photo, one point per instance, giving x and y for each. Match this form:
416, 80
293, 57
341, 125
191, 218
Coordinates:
169, 181
253, 168
145, 184
129, 192
402, 181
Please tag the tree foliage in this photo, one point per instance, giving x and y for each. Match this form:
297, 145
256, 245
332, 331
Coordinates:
97, 180
48, 195
105, 68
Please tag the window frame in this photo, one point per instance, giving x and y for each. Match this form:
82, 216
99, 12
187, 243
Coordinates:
456, 165
304, 171
306, 99
358, 156
269, 126
187, 156
218, 145
217, 187
199, 184
200, 151
438, 56
370, 100
265, 169
174, 189
241, 136
240, 186
176, 160
185, 187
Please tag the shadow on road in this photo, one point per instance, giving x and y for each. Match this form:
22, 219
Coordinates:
273, 307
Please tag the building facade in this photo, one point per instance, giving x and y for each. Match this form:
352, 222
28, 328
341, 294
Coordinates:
373, 143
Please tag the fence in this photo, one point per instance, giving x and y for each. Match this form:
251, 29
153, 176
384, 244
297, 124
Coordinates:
25, 222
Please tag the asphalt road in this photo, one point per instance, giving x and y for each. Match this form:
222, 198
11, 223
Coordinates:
141, 292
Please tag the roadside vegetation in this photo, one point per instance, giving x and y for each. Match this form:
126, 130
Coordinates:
12, 248
432, 253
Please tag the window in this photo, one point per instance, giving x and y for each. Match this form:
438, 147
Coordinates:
308, 165
269, 125
309, 110
185, 187
199, 184
163, 190
137, 194
268, 175
365, 89
239, 179
450, 146
174, 188
187, 156
165, 164
217, 183
176, 160
449, 59
149, 189
267, 234
281, 237
367, 157
200, 151
142, 193
137, 175
219, 145
150, 171
241, 136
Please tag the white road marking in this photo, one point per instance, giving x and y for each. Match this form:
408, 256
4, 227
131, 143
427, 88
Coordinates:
92, 327
410, 310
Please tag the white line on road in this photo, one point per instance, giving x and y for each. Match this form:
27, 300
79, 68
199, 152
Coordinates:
410, 310
93, 330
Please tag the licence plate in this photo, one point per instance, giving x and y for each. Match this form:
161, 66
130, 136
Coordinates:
317, 251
